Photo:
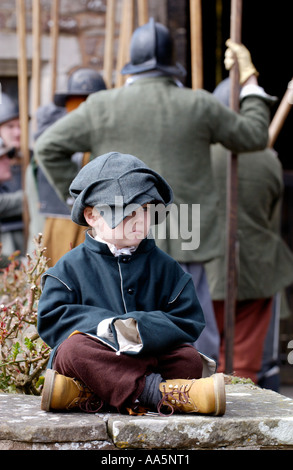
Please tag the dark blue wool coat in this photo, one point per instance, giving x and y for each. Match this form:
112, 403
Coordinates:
89, 284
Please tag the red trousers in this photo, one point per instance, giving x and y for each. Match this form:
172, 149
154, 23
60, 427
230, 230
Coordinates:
252, 320
118, 380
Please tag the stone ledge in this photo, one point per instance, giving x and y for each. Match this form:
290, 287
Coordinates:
254, 419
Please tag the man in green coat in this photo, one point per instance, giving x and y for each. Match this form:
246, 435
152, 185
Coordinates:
264, 261
171, 129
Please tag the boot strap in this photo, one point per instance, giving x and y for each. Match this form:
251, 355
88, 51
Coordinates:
174, 398
89, 403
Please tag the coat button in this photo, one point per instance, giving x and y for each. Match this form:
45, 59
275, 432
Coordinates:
130, 290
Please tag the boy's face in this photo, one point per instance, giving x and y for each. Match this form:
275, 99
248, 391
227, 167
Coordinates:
10, 133
130, 232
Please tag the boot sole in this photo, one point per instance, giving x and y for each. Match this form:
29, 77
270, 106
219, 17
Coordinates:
220, 394
48, 389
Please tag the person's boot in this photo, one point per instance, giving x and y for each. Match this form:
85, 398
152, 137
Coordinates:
205, 396
64, 393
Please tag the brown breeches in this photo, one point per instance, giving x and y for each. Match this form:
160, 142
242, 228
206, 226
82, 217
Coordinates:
118, 380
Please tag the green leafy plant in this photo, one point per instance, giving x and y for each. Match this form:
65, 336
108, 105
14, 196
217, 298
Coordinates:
23, 354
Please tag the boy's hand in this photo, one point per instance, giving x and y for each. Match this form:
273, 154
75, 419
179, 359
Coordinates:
104, 329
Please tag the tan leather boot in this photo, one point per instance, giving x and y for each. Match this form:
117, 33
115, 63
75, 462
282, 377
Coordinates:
64, 393
194, 396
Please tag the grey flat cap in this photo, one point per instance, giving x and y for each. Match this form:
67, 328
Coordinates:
117, 184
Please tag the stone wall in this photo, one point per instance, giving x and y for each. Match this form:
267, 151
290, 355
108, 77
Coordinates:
255, 419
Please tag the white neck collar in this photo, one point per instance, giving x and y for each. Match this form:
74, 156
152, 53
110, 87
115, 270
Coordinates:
127, 250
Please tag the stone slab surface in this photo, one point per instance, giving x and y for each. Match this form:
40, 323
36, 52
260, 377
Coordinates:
254, 419
23, 425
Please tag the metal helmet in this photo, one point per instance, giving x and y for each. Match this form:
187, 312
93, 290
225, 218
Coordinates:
82, 82
8, 108
151, 48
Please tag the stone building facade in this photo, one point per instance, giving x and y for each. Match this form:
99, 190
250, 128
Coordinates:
81, 38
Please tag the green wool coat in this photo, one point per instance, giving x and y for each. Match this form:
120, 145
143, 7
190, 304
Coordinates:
170, 129
265, 263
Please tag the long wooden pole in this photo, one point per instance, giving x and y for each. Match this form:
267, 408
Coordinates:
109, 42
22, 78
126, 28
281, 114
23, 102
232, 195
122, 45
54, 44
143, 12
196, 43
36, 59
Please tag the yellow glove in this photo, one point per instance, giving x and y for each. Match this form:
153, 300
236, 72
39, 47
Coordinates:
246, 67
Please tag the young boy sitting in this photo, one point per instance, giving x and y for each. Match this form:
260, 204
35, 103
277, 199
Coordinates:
119, 313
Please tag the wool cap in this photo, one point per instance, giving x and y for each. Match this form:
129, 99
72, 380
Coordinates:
222, 91
117, 184
46, 116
